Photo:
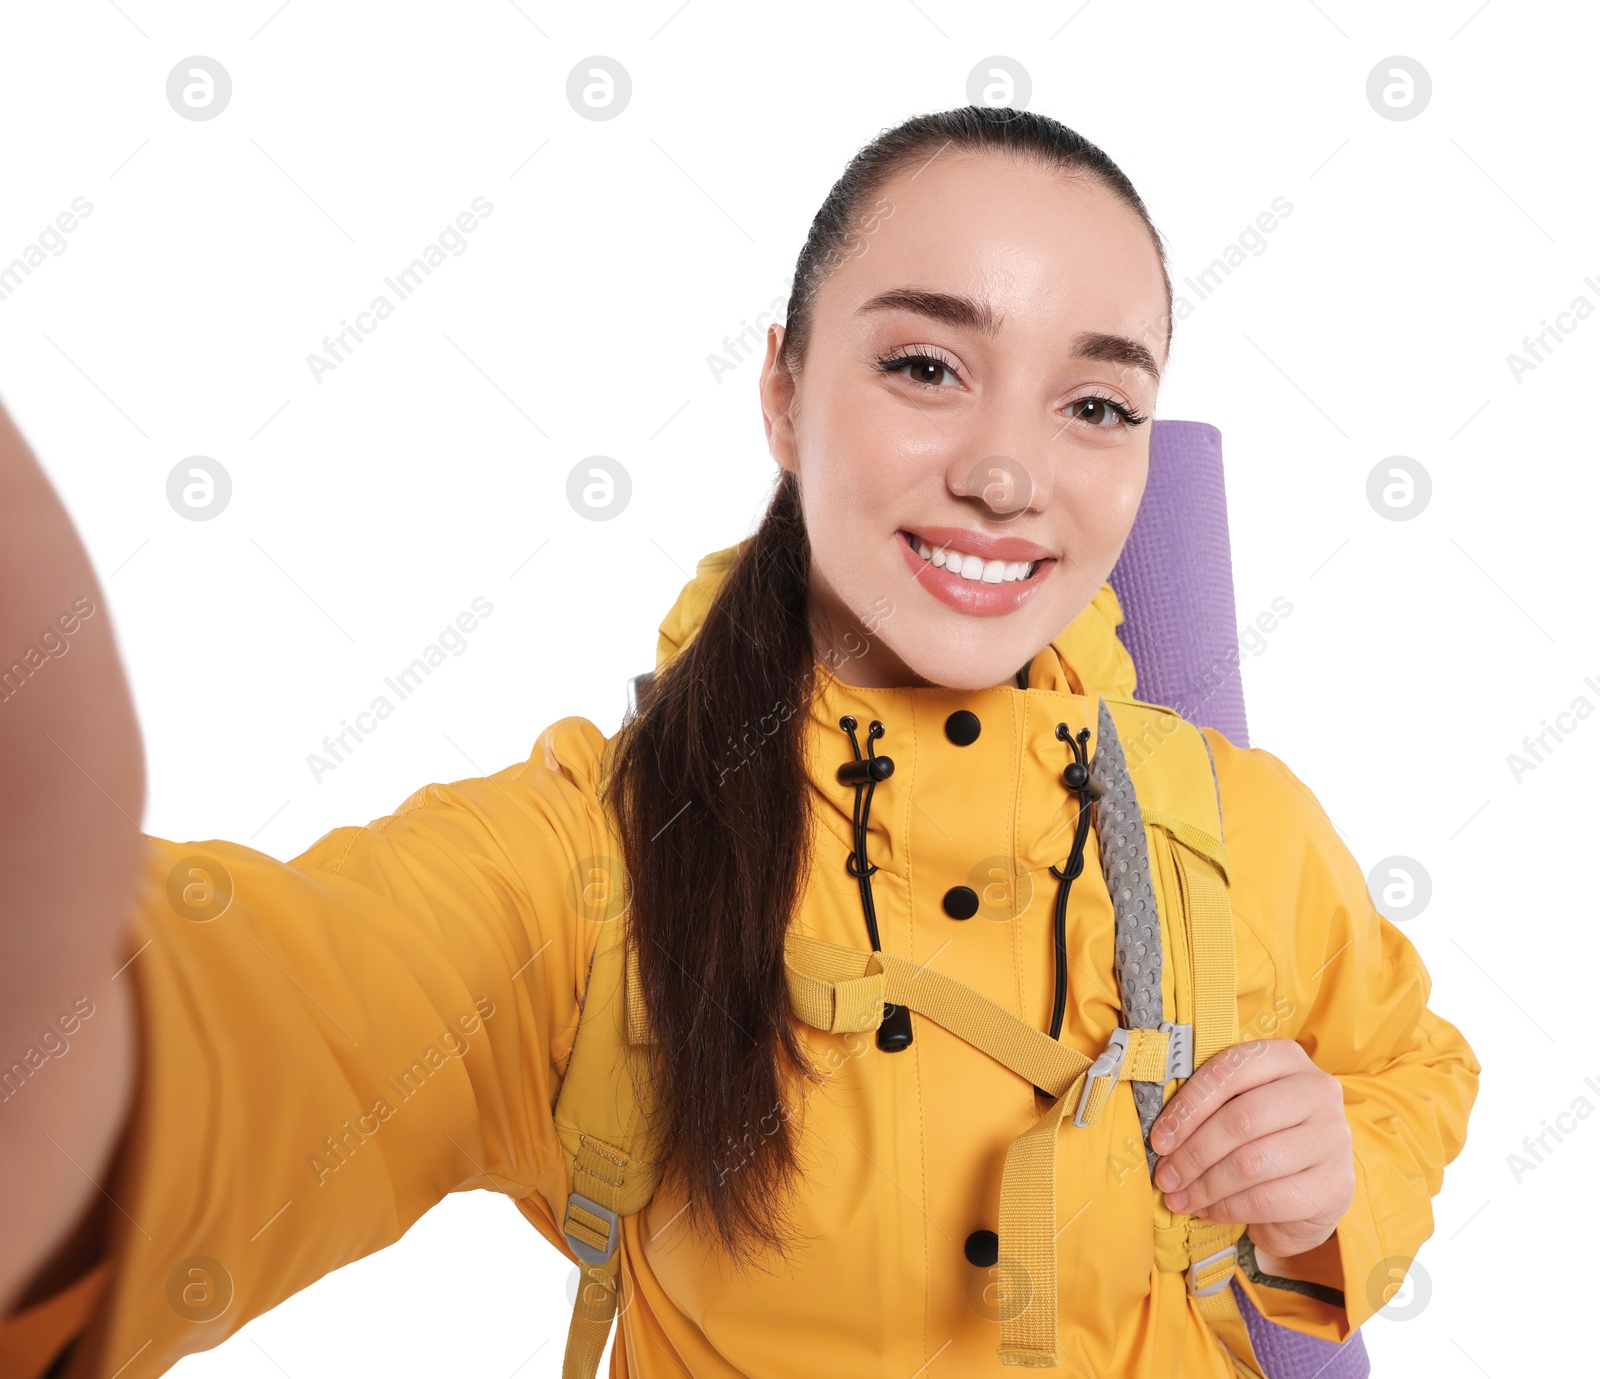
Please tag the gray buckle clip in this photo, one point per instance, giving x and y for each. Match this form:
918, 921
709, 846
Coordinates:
586, 1252
1108, 1064
1222, 1282
1180, 1050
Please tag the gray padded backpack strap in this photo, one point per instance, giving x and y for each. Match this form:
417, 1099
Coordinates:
1125, 860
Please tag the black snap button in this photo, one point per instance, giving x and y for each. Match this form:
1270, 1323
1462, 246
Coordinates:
961, 902
962, 727
983, 1249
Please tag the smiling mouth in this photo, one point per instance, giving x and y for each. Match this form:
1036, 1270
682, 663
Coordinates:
975, 568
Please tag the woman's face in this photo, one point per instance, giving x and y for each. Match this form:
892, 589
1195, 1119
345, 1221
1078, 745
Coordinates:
961, 398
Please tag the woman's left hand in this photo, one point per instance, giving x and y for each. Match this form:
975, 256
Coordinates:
1258, 1135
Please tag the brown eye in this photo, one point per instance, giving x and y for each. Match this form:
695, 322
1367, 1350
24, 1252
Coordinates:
919, 368
1102, 414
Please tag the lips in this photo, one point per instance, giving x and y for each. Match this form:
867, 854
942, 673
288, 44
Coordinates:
993, 593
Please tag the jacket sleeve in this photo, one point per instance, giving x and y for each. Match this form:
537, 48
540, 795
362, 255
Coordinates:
326, 1048
1332, 973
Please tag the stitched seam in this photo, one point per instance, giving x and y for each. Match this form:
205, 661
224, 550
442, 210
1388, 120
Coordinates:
338, 866
916, 1045
378, 826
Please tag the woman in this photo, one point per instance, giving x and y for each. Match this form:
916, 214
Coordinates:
958, 405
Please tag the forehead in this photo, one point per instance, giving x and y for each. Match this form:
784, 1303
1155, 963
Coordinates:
1049, 252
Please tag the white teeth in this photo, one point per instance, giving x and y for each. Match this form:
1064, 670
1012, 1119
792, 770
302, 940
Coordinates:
974, 567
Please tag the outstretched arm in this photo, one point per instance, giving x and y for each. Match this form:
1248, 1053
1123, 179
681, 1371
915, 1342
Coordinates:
277, 1067
331, 1045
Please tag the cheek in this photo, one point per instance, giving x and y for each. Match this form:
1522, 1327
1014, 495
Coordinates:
844, 537
857, 422
858, 486
1104, 493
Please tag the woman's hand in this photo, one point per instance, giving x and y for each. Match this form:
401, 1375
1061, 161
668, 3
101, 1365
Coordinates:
1259, 1135
70, 849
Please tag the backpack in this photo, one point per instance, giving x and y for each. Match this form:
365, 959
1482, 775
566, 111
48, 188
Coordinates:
1159, 825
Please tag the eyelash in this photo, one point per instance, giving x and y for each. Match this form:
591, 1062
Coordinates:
894, 363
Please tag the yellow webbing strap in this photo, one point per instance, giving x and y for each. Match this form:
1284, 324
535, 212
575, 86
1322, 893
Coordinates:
592, 1315
1208, 916
602, 1117
1028, 1202
639, 1031
1196, 840
841, 989
599, 1173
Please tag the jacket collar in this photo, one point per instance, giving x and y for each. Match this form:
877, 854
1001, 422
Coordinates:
1065, 681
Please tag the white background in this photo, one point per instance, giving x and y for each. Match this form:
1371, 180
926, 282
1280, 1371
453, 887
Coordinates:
372, 507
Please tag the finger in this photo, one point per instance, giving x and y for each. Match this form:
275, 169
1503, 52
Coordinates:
1252, 1164
1223, 1075
1292, 1199
1251, 1115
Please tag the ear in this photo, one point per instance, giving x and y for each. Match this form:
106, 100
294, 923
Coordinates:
777, 388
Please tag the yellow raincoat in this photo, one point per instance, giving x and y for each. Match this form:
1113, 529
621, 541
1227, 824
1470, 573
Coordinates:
387, 1019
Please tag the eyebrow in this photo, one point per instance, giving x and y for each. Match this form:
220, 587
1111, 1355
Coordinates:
969, 313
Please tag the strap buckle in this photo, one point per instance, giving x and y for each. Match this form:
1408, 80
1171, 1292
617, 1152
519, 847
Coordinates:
1108, 1064
1199, 1290
588, 1253
1180, 1050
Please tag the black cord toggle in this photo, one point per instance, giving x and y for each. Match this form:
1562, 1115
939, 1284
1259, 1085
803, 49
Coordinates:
866, 772
1077, 775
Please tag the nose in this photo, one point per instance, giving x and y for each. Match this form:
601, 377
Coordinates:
1004, 484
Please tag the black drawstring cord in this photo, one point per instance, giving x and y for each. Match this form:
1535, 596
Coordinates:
1087, 789
864, 773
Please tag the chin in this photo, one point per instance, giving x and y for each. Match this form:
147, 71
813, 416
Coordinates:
934, 656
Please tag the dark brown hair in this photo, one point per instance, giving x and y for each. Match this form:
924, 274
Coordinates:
717, 841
